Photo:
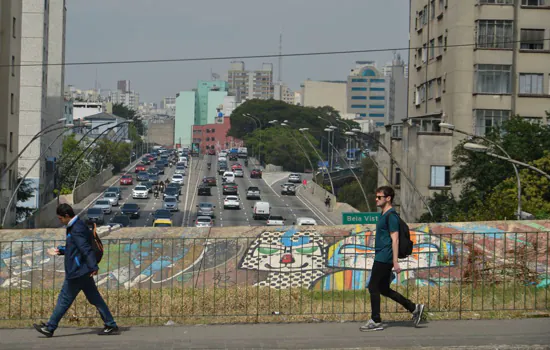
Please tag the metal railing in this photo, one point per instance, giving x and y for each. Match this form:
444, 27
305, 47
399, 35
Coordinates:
283, 276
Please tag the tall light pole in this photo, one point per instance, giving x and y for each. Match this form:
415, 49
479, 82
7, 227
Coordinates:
258, 127
518, 178
303, 130
285, 123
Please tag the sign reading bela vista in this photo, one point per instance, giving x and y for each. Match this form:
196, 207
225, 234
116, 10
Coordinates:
359, 218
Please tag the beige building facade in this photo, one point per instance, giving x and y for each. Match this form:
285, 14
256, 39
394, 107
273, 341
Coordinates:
474, 64
247, 85
325, 93
10, 59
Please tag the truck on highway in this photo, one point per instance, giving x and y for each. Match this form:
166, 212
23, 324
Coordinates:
242, 152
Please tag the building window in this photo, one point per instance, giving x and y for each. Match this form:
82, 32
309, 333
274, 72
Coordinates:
425, 15
358, 97
12, 104
532, 39
424, 53
495, 34
213, 130
441, 176
358, 106
535, 3
212, 139
358, 89
432, 48
493, 78
208, 139
377, 89
13, 66
379, 98
11, 141
531, 84
14, 27
397, 131
430, 89
441, 5
427, 125
377, 81
439, 88
397, 180
358, 80
376, 106
440, 45
376, 115
432, 9
488, 119
496, 2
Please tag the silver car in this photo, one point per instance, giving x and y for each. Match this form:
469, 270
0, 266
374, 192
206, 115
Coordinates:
96, 216
204, 221
103, 204
295, 178
111, 197
170, 203
205, 209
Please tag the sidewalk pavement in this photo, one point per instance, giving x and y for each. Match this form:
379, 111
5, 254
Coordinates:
466, 334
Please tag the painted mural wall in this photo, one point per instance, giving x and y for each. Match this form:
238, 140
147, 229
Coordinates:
317, 258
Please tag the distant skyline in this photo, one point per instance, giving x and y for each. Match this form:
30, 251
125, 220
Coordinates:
116, 30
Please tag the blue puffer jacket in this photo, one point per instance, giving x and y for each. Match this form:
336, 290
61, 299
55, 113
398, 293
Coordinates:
79, 256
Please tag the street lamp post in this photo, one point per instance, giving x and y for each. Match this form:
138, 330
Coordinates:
258, 127
302, 130
285, 123
518, 178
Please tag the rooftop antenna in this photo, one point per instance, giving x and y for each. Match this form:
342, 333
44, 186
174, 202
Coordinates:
281, 57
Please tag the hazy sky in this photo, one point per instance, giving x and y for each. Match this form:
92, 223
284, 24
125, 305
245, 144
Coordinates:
107, 30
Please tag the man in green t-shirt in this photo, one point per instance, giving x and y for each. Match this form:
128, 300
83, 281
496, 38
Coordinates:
386, 252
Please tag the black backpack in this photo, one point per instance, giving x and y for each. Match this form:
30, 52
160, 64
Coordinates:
97, 245
405, 243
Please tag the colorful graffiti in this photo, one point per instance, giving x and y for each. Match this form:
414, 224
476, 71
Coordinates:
320, 258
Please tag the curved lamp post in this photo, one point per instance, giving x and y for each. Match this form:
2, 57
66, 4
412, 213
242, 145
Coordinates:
518, 179
303, 130
258, 126
285, 123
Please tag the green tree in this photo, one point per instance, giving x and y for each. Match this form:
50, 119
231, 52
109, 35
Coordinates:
134, 130
351, 192
24, 193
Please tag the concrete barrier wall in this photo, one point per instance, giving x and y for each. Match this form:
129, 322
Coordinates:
91, 185
270, 168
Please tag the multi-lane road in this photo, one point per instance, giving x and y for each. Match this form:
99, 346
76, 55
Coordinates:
290, 207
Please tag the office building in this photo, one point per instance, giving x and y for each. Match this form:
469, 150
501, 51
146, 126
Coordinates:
123, 85
168, 102
214, 136
185, 117
325, 93
387, 70
129, 99
475, 63
247, 85
10, 59
209, 97
41, 101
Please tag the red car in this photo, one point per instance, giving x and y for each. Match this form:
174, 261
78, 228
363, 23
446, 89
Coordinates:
236, 166
211, 152
140, 167
210, 181
126, 180
256, 173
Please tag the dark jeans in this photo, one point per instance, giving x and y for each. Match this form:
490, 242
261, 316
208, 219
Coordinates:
68, 294
379, 283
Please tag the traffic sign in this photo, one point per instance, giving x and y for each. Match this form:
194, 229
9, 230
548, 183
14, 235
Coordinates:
360, 218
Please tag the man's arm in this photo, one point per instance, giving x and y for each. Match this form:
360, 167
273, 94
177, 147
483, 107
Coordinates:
82, 243
395, 251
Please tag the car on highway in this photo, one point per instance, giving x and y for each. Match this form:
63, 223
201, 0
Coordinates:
295, 178
228, 176
204, 190
170, 203
152, 171
204, 221
145, 161
116, 190
210, 181
174, 185
255, 174
162, 214
205, 209
177, 179
233, 156
111, 197
140, 191
105, 205
230, 188
253, 192
162, 223
154, 178
142, 176
232, 202
288, 189
211, 152
236, 166
303, 221
120, 219
261, 210
171, 191
140, 167
148, 184
126, 180
95, 216
238, 172
130, 209
160, 167
222, 169
275, 220
180, 169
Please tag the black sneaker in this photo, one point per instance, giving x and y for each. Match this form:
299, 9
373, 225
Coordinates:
109, 331
43, 328
417, 314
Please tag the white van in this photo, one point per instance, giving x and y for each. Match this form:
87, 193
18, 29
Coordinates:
228, 177
261, 210
183, 160
302, 221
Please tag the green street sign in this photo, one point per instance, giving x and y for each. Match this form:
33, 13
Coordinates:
359, 218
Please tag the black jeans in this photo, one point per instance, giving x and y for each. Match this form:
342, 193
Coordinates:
379, 283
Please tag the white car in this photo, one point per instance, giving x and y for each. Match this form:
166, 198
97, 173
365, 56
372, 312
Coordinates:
228, 177
180, 169
275, 220
140, 192
204, 221
303, 221
111, 197
295, 178
232, 202
177, 179
103, 204
238, 173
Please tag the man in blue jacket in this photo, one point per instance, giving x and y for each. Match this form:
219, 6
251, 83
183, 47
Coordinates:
80, 267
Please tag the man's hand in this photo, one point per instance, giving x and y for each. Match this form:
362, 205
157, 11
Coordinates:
396, 267
93, 273
53, 251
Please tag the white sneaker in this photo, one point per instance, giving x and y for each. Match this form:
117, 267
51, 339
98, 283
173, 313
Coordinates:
371, 326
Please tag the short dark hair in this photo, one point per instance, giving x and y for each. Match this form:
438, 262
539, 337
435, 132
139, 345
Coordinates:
65, 210
387, 190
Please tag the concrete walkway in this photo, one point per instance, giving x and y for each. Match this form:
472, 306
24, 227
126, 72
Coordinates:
478, 334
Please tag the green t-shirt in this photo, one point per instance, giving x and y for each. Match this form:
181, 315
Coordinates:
382, 247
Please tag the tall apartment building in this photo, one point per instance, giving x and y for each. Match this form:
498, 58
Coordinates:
397, 70
474, 64
129, 99
370, 95
41, 101
388, 67
10, 59
283, 93
123, 85
246, 85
